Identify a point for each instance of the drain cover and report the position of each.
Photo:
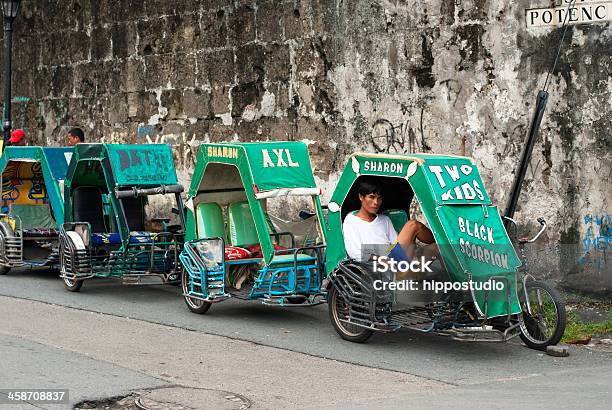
(187, 398)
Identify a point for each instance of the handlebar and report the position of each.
(542, 222)
(135, 192)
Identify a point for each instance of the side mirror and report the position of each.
(306, 213)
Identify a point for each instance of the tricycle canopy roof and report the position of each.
(124, 165)
(254, 171)
(468, 230)
(269, 166)
(449, 179)
(49, 163)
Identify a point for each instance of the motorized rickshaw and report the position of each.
(110, 228)
(241, 239)
(32, 205)
(473, 245)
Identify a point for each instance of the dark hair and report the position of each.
(77, 132)
(369, 185)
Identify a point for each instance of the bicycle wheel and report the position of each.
(339, 315)
(195, 305)
(544, 317)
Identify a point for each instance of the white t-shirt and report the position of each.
(358, 234)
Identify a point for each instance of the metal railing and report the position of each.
(11, 247)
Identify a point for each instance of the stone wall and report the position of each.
(442, 76)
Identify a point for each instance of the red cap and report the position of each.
(17, 136)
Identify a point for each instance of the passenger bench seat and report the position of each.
(241, 224)
(210, 224)
(398, 218)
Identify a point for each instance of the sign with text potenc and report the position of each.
(583, 12)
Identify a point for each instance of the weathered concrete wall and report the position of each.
(381, 75)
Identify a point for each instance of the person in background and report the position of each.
(17, 138)
(75, 136)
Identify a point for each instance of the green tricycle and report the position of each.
(242, 240)
(471, 292)
(32, 205)
(110, 228)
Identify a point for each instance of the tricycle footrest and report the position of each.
(481, 333)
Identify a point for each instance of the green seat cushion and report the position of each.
(209, 221)
(288, 259)
(242, 229)
(398, 218)
(34, 216)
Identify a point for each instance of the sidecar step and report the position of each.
(481, 334)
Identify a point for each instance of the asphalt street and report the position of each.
(439, 370)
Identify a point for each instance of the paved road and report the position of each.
(32, 365)
(474, 368)
(114, 355)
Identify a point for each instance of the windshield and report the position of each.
(294, 214)
(158, 211)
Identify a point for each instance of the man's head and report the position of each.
(370, 194)
(75, 136)
(17, 137)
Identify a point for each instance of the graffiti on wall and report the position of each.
(597, 242)
(398, 138)
(184, 149)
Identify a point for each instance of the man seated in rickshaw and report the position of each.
(368, 228)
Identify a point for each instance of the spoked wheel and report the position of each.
(72, 285)
(195, 305)
(68, 258)
(545, 325)
(339, 311)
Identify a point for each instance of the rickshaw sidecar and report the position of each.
(109, 230)
(475, 283)
(236, 246)
(32, 205)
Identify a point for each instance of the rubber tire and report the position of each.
(72, 285)
(201, 309)
(360, 337)
(561, 317)
(7, 231)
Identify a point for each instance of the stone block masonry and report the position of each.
(443, 76)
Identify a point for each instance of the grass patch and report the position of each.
(577, 329)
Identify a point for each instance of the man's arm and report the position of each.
(391, 234)
(352, 242)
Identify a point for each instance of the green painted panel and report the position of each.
(142, 164)
(455, 180)
(478, 240)
(280, 165)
